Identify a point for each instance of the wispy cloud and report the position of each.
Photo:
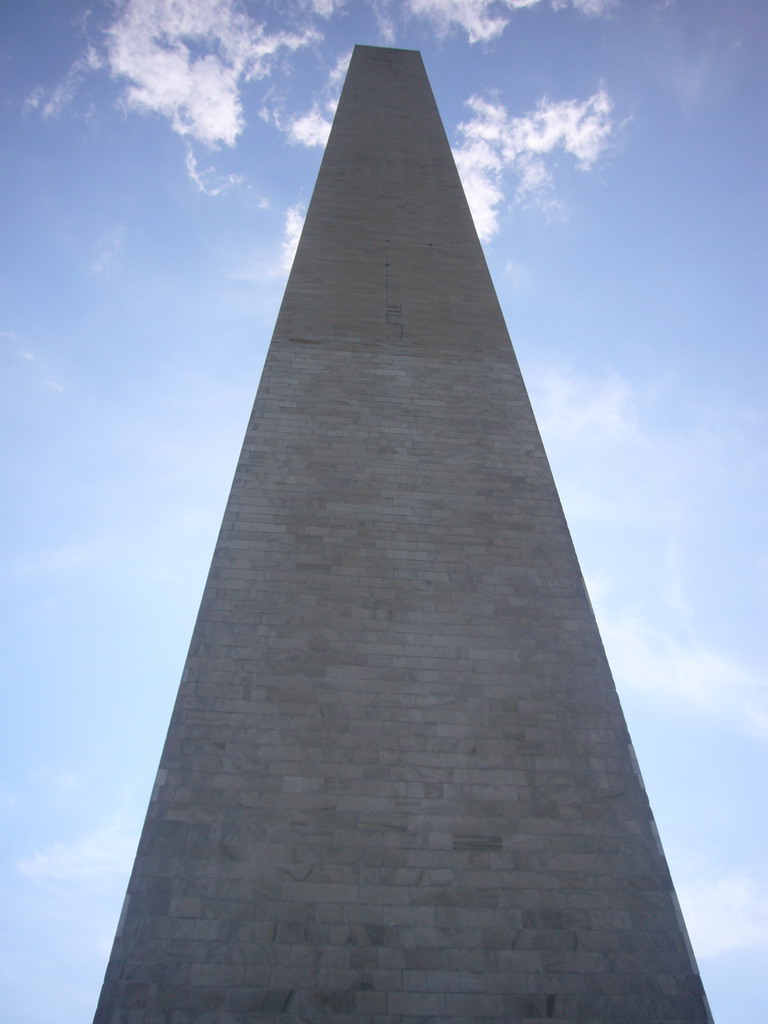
(9, 801)
(724, 915)
(494, 145)
(52, 103)
(36, 368)
(188, 60)
(108, 850)
(294, 222)
(518, 275)
(208, 180)
(592, 8)
(313, 127)
(324, 8)
(572, 406)
(69, 557)
(109, 251)
(484, 20)
(650, 483)
(697, 61)
(56, 784)
(687, 670)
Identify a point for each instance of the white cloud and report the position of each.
(35, 367)
(724, 915)
(494, 144)
(594, 8)
(581, 129)
(67, 558)
(209, 180)
(310, 129)
(385, 23)
(481, 168)
(294, 222)
(51, 104)
(324, 8)
(56, 783)
(484, 20)
(580, 409)
(188, 59)
(9, 801)
(313, 127)
(338, 73)
(617, 473)
(694, 70)
(518, 275)
(688, 671)
(109, 252)
(109, 850)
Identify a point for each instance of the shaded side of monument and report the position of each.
(397, 784)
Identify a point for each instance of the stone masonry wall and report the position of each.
(397, 785)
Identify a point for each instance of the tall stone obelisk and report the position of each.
(397, 785)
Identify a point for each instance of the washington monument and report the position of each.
(397, 786)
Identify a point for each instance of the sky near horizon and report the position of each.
(157, 160)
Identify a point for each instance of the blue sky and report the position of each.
(156, 162)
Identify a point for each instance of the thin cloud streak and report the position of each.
(208, 180)
(109, 253)
(60, 97)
